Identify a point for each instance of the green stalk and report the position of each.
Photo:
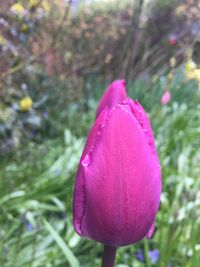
(146, 252)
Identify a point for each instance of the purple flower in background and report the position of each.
(24, 219)
(13, 32)
(46, 114)
(154, 255)
(29, 227)
(32, 134)
(140, 255)
(3, 22)
(23, 37)
(57, 172)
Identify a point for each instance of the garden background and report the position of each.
(56, 59)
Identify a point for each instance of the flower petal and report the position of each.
(144, 122)
(122, 183)
(113, 95)
(151, 231)
(79, 189)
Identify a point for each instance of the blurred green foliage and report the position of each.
(56, 61)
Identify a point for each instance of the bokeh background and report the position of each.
(56, 59)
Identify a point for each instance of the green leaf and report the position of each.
(62, 245)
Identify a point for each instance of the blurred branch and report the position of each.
(134, 38)
(17, 67)
(60, 26)
(136, 30)
(35, 6)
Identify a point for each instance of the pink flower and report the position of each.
(115, 93)
(118, 183)
(172, 39)
(166, 97)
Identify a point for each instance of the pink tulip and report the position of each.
(113, 95)
(118, 184)
(166, 97)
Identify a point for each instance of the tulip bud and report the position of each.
(113, 95)
(166, 97)
(118, 184)
(172, 40)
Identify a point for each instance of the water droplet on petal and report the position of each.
(102, 125)
(86, 161)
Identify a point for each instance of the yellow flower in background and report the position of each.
(181, 9)
(26, 103)
(108, 58)
(170, 76)
(24, 27)
(190, 75)
(172, 62)
(18, 9)
(191, 71)
(45, 6)
(6, 114)
(196, 75)
(33, 3)
(3, 41)
(190, 65)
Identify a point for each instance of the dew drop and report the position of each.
(86, 161)
(102, 125)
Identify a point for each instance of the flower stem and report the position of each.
(109, 256)
(146, 252)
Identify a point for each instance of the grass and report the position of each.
(36, 186)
